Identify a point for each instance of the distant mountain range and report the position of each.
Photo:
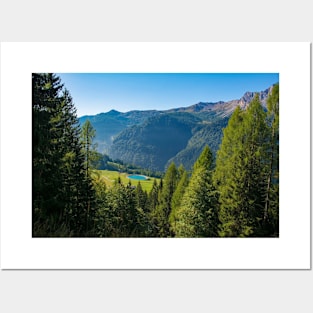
(152, 139)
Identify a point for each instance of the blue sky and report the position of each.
(95, 93)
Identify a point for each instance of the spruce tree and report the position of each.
(101, 206)
(88, 133)
(153, 203)
(141, 198)
(153, 197)
(197, 215)
(163, 210)
(124, 214)
(59, 184)
(45, 90)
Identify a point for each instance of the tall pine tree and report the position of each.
(197, 215)
(59, 183)
(164, 208)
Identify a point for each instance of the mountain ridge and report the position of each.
(242, 102)
(136, 137)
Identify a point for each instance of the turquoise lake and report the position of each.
(137, 177)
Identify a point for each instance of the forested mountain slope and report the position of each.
(108, 125)
(153, 143)
(208, 134)
(153, 139)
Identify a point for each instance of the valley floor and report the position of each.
(109, 177)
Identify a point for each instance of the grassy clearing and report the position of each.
(110, 176)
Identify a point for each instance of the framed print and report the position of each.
(93, 136)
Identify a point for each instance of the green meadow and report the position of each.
(108, 177)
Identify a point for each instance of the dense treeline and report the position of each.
(104, 162)
(235, 195)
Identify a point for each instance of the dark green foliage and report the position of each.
(62, 194)
(44, 89)
(122, 212)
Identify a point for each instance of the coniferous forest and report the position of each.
(233, 193)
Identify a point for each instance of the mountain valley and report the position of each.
(153, 139)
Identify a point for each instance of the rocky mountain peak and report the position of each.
(248, 96)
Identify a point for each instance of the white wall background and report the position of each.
(156, 291)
